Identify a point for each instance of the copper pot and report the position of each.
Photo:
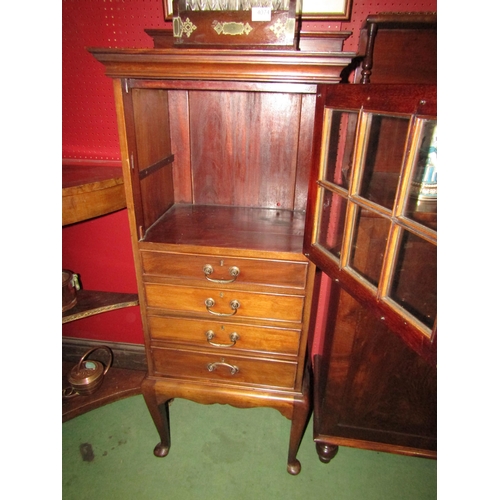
(70, 285)
(87, 376)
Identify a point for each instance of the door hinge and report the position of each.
(125, 82)
(132, 166)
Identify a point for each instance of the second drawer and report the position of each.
(225, 303)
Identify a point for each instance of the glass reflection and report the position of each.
(339, 153)
(384, 158)
(332, 221)
(369, 242)
(415, 278)
(422, 202)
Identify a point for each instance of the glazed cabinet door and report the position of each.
(372, 230)
(373, 203)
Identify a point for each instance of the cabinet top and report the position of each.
(224, 64)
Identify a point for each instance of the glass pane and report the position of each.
(422, 202)
(339, 152)
(332, 221)
(415, 284)
(369, 242)
(384, 159)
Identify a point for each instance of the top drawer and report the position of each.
(225, 270)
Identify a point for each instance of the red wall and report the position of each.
(99, 250)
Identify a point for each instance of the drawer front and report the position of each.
(225, 303)
(227, 270)
(226, 369)
(224, 335)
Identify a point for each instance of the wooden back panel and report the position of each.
(244, 148)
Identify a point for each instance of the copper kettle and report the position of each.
(87, 376)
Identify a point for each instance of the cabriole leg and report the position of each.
(160, 414)
(299, 422)
(300, 418)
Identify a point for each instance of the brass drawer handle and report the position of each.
(234, 304)
(208, 270)
(233, 338)
(233, 369)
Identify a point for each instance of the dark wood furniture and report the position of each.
(309, 41)
(375, 372)
(91, 302)
(398, 48)
(247, 171)
(219, 26)
(216, 148)
(91, 189)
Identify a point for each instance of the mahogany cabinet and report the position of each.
(216, 148)
(246, 172)
(374, 234)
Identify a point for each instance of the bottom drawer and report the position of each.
(227, 369)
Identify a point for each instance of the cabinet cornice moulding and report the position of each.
(226, 65)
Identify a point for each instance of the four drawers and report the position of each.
(205, 324)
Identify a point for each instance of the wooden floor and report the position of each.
(118, 383)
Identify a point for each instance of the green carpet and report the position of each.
(220, 452)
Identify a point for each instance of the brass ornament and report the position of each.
(231, 28)
(280, 28)
(181, 27)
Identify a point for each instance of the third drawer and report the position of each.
(217, 335)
